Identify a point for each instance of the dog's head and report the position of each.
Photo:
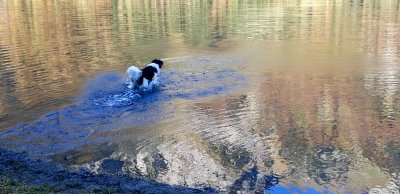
(158, 62)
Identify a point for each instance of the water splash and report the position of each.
(106, 104)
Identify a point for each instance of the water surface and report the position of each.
(299, 96)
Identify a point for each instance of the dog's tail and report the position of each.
(133, 75)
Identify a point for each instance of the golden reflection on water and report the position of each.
(322, 106)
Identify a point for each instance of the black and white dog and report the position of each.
(145, 78)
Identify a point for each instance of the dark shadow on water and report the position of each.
(39, 173)
(106, 104)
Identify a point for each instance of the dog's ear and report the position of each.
(159, 62)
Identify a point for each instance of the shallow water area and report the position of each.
(259, 96)
(106, 104)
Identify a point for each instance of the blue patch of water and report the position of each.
(106, 104)
(259, 182)
(291, 189)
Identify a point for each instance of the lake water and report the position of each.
(256, 96)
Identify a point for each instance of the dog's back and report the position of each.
(149, 73)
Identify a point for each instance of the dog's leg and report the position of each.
(129, 83)
(145, 84)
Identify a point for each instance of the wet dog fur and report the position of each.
(145, 78)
